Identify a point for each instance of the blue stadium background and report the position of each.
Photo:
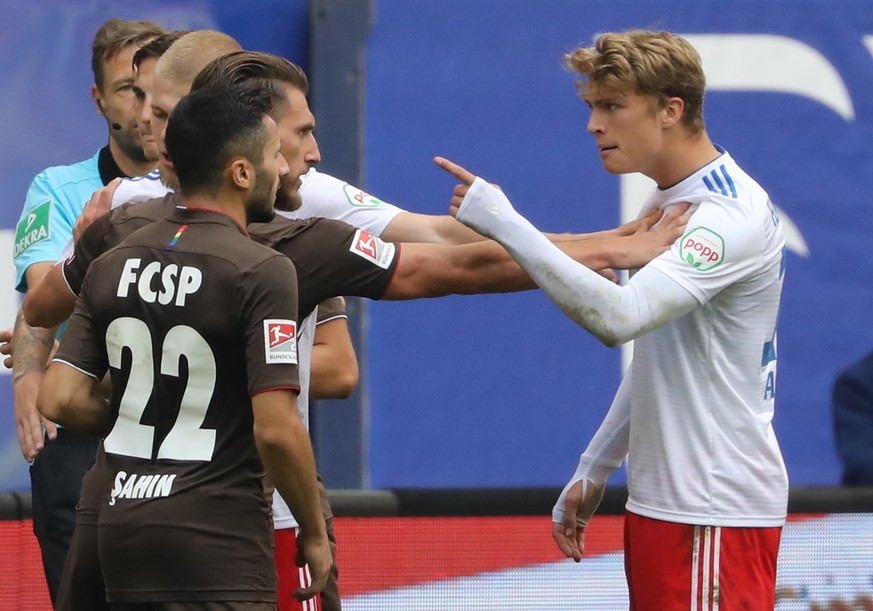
(502, 391)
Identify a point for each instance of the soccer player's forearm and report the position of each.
(31, 347)
(50, 302)
(290, 465)
(606, 450)
(614, 314)
(282, 442)
(69, 397)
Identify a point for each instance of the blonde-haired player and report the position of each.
(707, 484)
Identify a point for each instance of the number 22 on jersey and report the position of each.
(186, 440)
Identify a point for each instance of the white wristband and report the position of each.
(485, 209)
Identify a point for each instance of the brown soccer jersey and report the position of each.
(332, 308)
(332, 258)
(109, 230)
(187, 317)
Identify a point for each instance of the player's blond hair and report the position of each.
(660, 65)
(187, 56)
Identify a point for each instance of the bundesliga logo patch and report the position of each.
(280, 341)
(373, 249)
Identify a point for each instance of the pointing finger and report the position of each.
(455, 170)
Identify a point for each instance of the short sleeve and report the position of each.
(42, 231)
(269, 303)
(328, 197)
(82, 344)
(721, 245)
(333, 258)
(330, 309)
(89, 246)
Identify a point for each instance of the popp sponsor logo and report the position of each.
(702, 248)
(360, 199)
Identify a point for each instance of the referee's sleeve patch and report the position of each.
(33, 228)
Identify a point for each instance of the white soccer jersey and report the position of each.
(139, 189)
(133, 190)
(702, 446)
(322, 196)
(328, 197)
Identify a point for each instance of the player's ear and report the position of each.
(242, 172)
(98, 100)
(671, 113)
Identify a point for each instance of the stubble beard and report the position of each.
(130, 143)
(260, 205)
(287, 197)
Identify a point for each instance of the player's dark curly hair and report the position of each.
(212, 125)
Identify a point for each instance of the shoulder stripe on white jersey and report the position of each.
(153, 175)
(719, 186)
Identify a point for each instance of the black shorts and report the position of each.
(56, 478)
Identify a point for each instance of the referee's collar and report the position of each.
(107, 167)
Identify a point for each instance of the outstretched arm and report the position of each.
(445, 229)
(613, 314)
(634, 244)
(435, 270)
(431, 229)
